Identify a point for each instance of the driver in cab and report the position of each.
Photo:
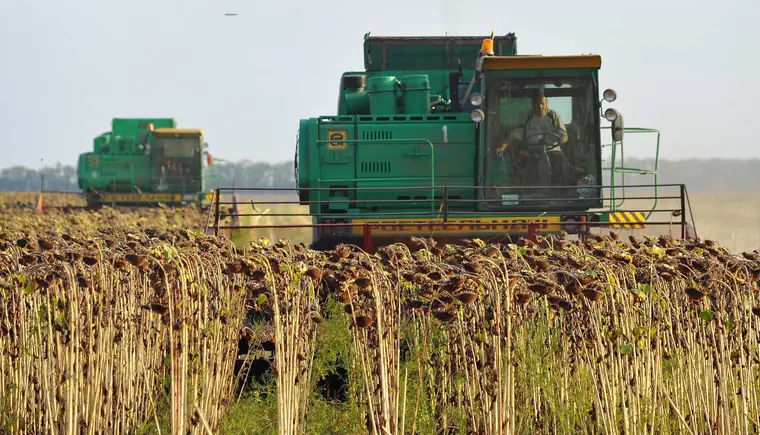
(540, 124)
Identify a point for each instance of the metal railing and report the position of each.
(188, 184)
(623, 169)
(527, 215)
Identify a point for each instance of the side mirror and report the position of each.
(618, 126)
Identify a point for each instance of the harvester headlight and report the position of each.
(609, 95)
(477, 115)
(476, 99)
(611, 114)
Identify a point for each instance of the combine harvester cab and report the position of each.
(451, 138)
(146, 162)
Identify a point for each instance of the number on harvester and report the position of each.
(445, 129)
(336, 138)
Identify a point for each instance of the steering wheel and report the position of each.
(543, 143)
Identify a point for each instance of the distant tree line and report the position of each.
(58, 177)
(222, 174)
(698, 175)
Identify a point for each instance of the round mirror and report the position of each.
(609, 95)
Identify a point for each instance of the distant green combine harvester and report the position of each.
(144, 162)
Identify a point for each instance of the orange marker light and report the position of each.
(487, 47)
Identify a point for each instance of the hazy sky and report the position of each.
(689, 68)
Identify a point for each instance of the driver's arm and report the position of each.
(514, 139)
(501, 148)
(561, 128)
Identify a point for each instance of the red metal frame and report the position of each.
(368, 246)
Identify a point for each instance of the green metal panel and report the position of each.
(304, 156)
(416, 93)
(383, 95)
(119, 173)
(101, 143)
(390, 154)
(313, 163)
(336, 157)
(83, 177)
(357, 102)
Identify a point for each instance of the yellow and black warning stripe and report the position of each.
(630, 220)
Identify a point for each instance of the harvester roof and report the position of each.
(541, 62)
(404, 53)
(179, 131)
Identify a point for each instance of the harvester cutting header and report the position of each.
(463, 137)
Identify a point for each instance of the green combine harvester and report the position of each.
(460, 137)
(145, 162)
